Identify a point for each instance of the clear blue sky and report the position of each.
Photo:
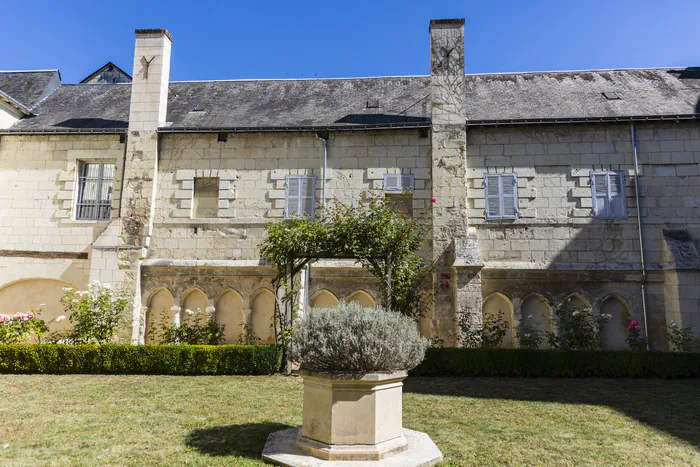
(292, 39)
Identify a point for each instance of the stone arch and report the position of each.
(536, 310)
(363, 298)
(498, 303)
(194, 299)
(229, 312)
(262, 304)
(324, 299)
(614, 333)
(159, 304)
(23, 294)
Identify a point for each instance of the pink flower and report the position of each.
(30, 315)
(633, 325)
(433, 200)
(637, 328)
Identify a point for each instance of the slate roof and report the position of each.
(579, 94)
(28, 87)
(249, 105)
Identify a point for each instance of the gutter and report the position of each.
(543, 121)
(641, 241)
(64, 131)
(287, 129)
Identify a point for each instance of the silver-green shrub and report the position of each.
(355, 339)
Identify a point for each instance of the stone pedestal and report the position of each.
(352, 416)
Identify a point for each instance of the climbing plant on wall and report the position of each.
(385, 241)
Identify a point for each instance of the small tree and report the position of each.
(97, 314)
(682, 338)
(383, 240)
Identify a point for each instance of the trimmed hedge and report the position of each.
(557, 363)
(141, 359)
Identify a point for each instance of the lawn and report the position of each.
(224, 420)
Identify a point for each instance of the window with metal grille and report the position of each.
(608, 190)
(501, 196)
(399, 182)
(95, 191)
(300, 196)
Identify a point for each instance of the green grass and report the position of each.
(224, 420)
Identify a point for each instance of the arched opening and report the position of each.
(324, 299)
(194, 300)
(363, 298)
(614, 333)
(229, 313)
(262, 313)
(536, 312)
(498, 307)
(46, 294)
(158, 312)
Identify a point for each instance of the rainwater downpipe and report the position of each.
(641, 241)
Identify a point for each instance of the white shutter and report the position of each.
(618, 200)
(492, 194)
(509, 196)
(308, 198)
(292, 196)
(407, 182)
(392, 182)
(599, 191)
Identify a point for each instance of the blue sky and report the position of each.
(293, 39)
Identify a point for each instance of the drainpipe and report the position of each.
(641, 241)
(325, 165)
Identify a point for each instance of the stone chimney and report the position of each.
(456, 251)
(148, 111)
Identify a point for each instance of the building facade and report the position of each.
(551, 186)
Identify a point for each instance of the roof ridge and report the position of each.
(576, 71)
(27, 71)
(296, 79)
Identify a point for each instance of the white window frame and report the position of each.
(501, 216)
(608, 214)
(406, 182)
(299, 195)
(82, 164)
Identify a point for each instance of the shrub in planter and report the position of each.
(354, 360)
(355, 339)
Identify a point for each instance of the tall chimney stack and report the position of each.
(148, 112)
(454, 246)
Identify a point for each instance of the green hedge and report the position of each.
(141, 359)
(557, 363)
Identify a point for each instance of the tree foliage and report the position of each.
(372, 231)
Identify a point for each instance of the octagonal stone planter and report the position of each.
(352, 416)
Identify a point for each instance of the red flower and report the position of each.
(433, 200)
(633, 325)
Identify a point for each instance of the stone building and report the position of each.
(579, 185)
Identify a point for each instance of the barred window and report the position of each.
(95, 190)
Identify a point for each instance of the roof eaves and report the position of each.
(547, 121)
(62, 131)
(16, 104)
(285, 129)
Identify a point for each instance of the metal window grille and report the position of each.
(95, 191)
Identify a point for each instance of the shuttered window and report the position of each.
(300, 196)
(501, 196)
(608, 191)
(95, 191)
(399, 182)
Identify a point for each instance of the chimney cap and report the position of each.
(155, 31)
(447, 22)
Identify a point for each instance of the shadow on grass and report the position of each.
(672, 406)
(245, 440)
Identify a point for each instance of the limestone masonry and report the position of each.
(164, 188)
